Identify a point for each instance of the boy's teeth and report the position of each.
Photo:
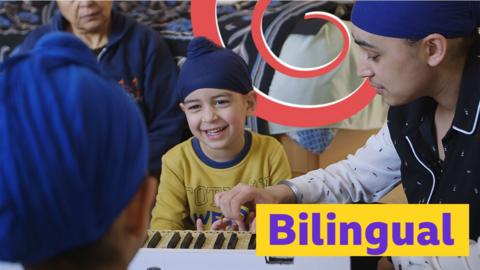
(213, 131)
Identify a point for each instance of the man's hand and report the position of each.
(224, 224)
(231, 201)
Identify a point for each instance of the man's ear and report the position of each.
(435, 48)
(137, 212)
(251, 100)
(182, 106)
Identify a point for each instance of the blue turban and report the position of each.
(73, 150)
(416, 19)
(209, 66)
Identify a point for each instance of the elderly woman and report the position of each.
(134, 56)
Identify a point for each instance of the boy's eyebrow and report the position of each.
(216, 96)
(222, 95)
(191, 101)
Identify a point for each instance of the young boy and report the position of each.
(217, 96)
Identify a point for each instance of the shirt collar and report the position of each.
(468, 106)
(227, 164)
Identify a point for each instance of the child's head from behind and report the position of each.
(216, 93)
(83, 156)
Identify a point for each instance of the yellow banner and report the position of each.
(362, 230)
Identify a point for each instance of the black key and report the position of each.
(200, 240)
(174, 240)
(154, 240)
(219, 241)
(252, 244)
(233, 241)
(187, 240)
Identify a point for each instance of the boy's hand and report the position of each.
(199, 224)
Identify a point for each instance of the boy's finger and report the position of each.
(199, 224)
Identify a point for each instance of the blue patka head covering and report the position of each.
(209, 66)
(416, 19)
(73, 150)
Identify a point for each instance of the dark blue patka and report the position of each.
(209, 66)
(73, 150)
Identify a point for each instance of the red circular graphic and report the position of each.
(284, 68)
(204, 22)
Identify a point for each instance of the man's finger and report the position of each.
(241, 225)
(253, 226)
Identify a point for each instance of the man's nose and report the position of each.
(86, 3)
(364, 69)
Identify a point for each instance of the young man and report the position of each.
(422, 57)
(217, 96)
(73, 162)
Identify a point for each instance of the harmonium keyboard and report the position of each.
(172, 250)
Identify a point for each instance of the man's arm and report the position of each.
(366, 176)
(243, 194)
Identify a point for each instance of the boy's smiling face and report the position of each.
(217, 118)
